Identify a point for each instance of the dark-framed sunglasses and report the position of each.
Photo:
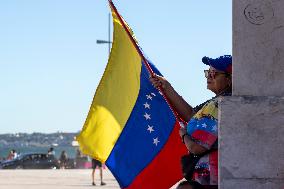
(213, 74)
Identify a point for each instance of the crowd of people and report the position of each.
(63, 162)
(63, 158)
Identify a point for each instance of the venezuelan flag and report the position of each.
(130, 126)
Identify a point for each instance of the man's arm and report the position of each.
(192, 146)
(184, 110)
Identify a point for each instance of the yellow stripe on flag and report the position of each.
(114, 99)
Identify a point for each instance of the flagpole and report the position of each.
(144, 59)
(131, 38)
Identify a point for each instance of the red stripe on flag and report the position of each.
(165, 169)
(204, 137)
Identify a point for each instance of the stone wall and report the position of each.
(251, 122)
(258, 47)
(251, 142)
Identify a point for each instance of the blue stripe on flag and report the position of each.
(144, 134)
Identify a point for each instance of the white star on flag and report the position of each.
(147, 116)
(204, 125)
(149, 97)
(214, 128)
(156, 141)
(153, 94)
(150, 128)
(146, 105)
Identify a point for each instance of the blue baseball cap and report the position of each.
(222, 63)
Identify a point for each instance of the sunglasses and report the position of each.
(213, 74)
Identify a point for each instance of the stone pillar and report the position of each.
(251, 122)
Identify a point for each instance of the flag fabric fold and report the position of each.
(130, 126)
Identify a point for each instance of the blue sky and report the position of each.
(50, 64)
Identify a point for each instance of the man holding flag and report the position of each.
(200, 136)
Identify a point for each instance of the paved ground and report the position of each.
(54, 179)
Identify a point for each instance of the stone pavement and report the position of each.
(55, 179)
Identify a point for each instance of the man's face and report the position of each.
(217, 80)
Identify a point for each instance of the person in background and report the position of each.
(78, 154)
(95, 164)
(63, 159)
(15, 154)
(51, 151)
(10, 155)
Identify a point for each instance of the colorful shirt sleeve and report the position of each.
(203, 126)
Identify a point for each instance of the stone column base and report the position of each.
(251, 142)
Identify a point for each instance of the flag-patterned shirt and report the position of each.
(203, 129)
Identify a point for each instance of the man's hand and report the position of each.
(159, 81)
